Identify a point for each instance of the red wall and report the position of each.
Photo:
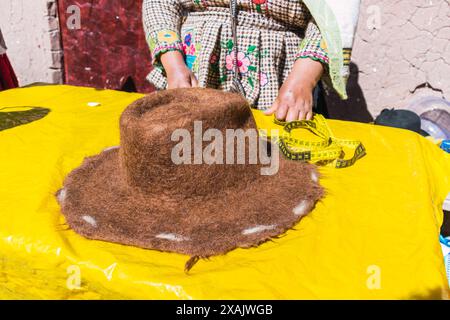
(109, 47)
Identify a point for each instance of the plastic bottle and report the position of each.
(445, 145)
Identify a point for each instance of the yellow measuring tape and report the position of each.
(328, 151)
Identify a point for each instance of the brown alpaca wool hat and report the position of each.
(137, 195)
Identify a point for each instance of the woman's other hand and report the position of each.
(295, 98)
(178, 73)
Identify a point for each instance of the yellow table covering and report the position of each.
(374, 236)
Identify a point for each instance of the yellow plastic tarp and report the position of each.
(374, 235)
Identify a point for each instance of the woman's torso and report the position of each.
(291, 13)
(269, 34)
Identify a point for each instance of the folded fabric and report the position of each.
(8, 79)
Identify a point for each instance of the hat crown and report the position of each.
(154, 130)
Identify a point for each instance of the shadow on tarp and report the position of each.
(11, 117)
(434, 294)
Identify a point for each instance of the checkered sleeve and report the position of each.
(162, 23)
(313, 45)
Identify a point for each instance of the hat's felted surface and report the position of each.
(136, 195)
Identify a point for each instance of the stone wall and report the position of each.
(31, 31)
(401, 51)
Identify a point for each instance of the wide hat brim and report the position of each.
(98, 204)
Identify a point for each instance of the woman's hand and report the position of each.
(178, 74)
(293, 103)
(295, 98)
